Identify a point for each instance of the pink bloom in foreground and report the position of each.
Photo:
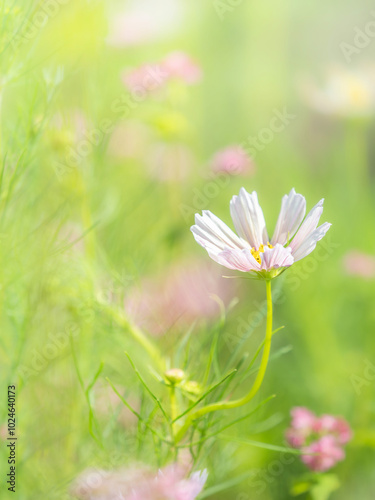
(184, 293)
(321, 439)
(139, 484)
(323, 454)
(232, 160)
(251, 250)
(359, 264)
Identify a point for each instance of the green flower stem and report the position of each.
(225, 405)
(137, 334)
(174, 407)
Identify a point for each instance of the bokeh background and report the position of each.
(104, 162)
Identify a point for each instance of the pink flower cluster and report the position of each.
(139, 484)
(321, 439)
(150, 77)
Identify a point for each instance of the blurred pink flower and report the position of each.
(338, 427)
(232, 160)
(321, 439)
(150, 77)
(302, 418)
(359, 264)
(302, 424)
(343, 431)
(145, 79)
(139, 484)
(181, 66)
(323, 454)
(181, 295)
(296, 437)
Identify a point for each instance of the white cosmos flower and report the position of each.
(250, 250)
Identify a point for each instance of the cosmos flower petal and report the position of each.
(212, 233)
(276, 257)
(248, 218)
(293, 209)
(309, 244)
(308, 226)
(234, 258)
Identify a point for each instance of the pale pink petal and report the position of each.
(211, 233)
(234, 258)
(276, 257)
(293, 209)
(309, 244)
(248, 218)
(308, 226)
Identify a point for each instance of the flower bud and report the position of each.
(174, 375)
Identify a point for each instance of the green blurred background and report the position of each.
(75, 233)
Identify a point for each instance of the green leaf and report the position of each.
(224, 486)
(155, 398)
(211, 356)
(212, 388)
(299, 488)
(136, 413)
(233, 422)
(259, 444)
(327, 484)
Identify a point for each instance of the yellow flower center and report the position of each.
(256, 253)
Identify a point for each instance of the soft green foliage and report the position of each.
(78, 237)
